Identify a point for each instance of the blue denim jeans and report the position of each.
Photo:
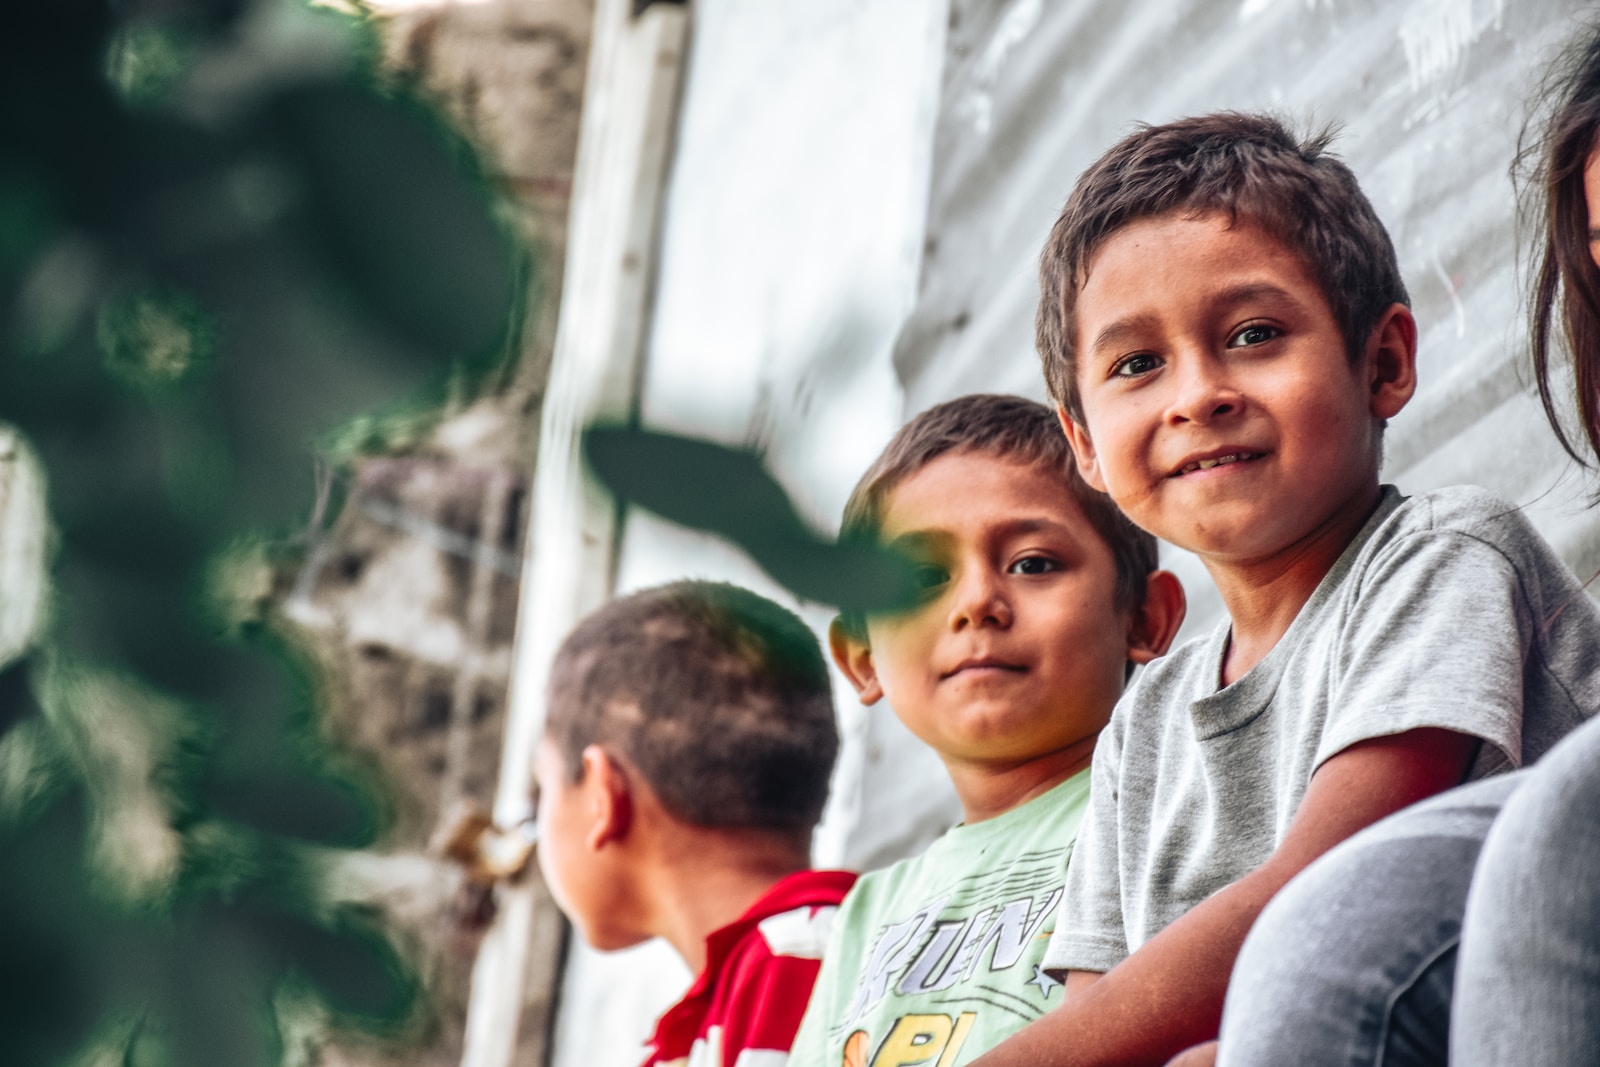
(1353, 962)
(1528, 987)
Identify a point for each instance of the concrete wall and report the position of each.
(409, 598)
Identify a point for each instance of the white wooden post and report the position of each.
(624, 145)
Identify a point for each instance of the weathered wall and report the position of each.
(409, 597)
(408, 601)
(510, 73)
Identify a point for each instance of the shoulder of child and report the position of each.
(1470, 513)
(1467, 509)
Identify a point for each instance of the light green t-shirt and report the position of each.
(937, 959)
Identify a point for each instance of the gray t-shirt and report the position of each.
(1447, 610)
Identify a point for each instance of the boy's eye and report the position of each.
(1034, 565)
(1253, 335)
(929, 576)
(1135, 365)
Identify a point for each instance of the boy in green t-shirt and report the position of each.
(1040, 596)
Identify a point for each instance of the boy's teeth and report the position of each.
(1207, 464)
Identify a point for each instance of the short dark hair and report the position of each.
(1012, 427)
(1236, 164)
(1559, 141)
(719, 698)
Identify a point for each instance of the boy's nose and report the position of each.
(980, 601)
(1203, 391)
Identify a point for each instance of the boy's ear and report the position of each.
(1391, 363)
(608, 795)
(1155, 623)
(854, 657)
(1082, 449)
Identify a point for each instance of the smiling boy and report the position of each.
(1224, 328)
(1038, 599)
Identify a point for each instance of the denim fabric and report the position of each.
(1352, 963)
(1528, 992)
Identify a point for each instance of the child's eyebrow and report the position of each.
(1023, 527)
(912, 540)
(1124, 330)
(1121, 331)
(1249, 291)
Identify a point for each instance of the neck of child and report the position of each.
(990, 788)
(1263, 596)
(707, 877)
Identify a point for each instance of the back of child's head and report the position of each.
(1249, 167)
(717, 697)
(1006, 427)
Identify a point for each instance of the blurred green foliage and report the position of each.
(221, 239)
(731, 493)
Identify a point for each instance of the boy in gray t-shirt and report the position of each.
(1225, 330)
(1447, 611)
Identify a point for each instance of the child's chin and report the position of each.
(612, 940)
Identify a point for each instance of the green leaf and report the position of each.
(729, 492)
(398, 215)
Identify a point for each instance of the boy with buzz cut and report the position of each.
(687, 748)
(1038, 599)
(1225, 331)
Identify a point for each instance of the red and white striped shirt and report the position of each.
(744, 1009)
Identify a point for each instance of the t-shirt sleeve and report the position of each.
(760, 1020)
(1438, 637)
(1090, 934)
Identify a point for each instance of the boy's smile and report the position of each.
(1019, 633)
(1222, 411)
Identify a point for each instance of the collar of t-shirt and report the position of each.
(680, 1025)
(1222, 709)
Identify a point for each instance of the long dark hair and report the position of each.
(1567, 278)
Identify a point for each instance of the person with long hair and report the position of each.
(1527, 985)
(1466, 929)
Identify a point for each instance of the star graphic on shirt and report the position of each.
(1043, 981)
